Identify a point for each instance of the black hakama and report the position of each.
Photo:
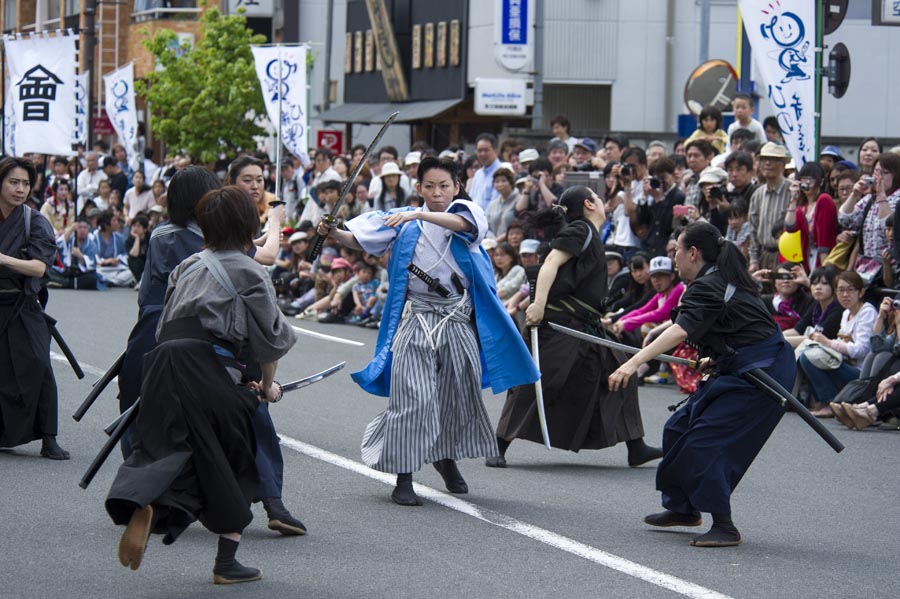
(194, 456)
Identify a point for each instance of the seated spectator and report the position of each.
(515, 234)
(136, 245)
(617, 276)
(77, 268)
(790, 299)
(391, 193)
(112, 256)
(329, 308)
(159, 192)
(852, 342)
(156, 215)
(104, 190)
(508, 273)
(501, 210)
(813, 213)
(529, 258)
(639, 288)
(633, 325)
(365, 293)
(138, 198)
(59, 208)
(824, 315)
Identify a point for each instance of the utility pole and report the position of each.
(90, 42)
(537, 110)
(704, 31)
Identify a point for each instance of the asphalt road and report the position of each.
(554, 524)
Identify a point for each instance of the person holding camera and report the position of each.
(813, 213)
(656, 215)
(873, 198)
(714, 204)
(630, 174)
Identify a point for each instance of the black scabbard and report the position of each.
(54, 332)
(123, 423)
(433, 284)
(761, 380)
(98, 388)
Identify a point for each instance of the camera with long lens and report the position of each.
(804, 187)
(655, 183)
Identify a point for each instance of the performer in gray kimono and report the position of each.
(433, 357)
(194, 454)
(28, 395)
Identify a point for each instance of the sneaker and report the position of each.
(660, 378)
(308, 313)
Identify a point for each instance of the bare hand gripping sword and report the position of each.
(331, 217)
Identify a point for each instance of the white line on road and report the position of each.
(542, 535)
(325, 337)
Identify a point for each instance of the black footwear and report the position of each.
(51, 450)
(453, 480)
(403, 493)
(227, 569)
(669, 518)
(720, 535)
(280, 519)
(640, 453)
(497, 461)
(134, 539)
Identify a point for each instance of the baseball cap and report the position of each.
(614, 255)
(339, 263)
(157, 209)
(489, 243)
(588, 144)
(298, 236)
(412, 158)
(658, 264)
(529, 246)
(847, 163)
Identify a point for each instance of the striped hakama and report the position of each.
(435, 410)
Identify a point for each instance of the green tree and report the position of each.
(205, 98)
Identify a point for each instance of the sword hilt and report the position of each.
(319, 241)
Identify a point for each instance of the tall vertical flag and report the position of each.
(9, 123)
(42, 93)
(287, 80)
(782, 35)
(79, 134)
(121, 109)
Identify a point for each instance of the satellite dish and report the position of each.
(835, 11)
(713, 83)
(839, 70)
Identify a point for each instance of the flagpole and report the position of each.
(278, 143)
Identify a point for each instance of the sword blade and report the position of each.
(315, 378)
(619, 346)
(325, 337)
(539, 389)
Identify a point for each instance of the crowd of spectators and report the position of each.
(833, 218)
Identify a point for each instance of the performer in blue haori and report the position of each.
(444, 334)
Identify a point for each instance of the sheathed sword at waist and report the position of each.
(619, 346)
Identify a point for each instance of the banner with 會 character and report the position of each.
(42, 92)
(281, 71)
(121, 109)
(782, 34)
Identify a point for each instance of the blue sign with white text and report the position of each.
(515, 21)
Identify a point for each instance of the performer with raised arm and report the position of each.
(194, 450)
(581, 412)
(710, 442)
(430, 349)
(28, 394)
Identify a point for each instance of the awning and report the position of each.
(378, 112)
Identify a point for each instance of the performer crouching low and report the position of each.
(194, 451)
(711, 441)
(430, 349)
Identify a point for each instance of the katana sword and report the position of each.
(538, 388)
(331, 218)
(116, 429)
(619, 346)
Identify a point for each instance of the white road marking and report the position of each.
(542, 535)
(325, 337)
(87, 368)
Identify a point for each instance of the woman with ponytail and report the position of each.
(571, 286)
(710, 442)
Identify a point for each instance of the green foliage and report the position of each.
(201, 99)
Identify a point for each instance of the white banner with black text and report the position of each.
(121, 109)
(281, 71)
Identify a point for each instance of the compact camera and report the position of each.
(655, 183)
(782, 276)
(804, 187)
(868, 180)
(627, 170)
(895, 304)
(717, 192)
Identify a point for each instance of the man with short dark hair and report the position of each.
(662, 192)
(118, 180)
(699, 153)
(613, 146)
(739, 166)
(482, 188)
(558, 152)
(561, 127)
